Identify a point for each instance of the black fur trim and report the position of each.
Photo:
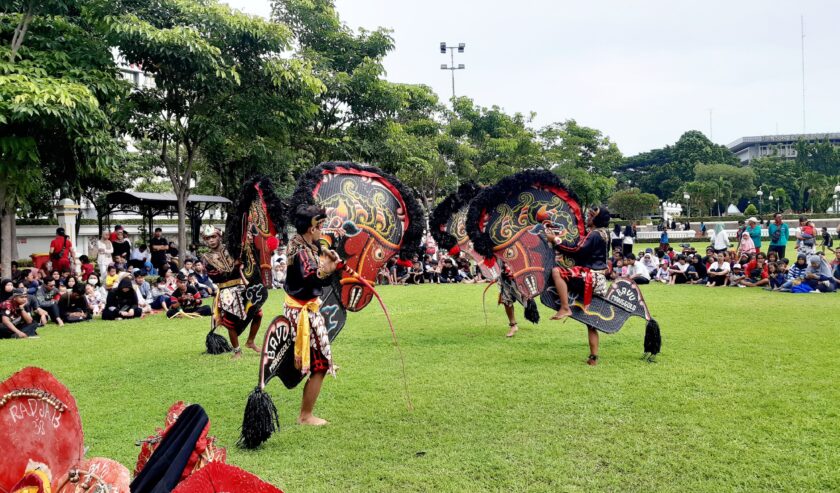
(260, 420)
(414, 233)
(653, 338)
(532, 313)
(444, 211)
(217, 344)
(275, 206)
(490, 197)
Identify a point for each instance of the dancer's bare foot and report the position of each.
(561, 314)
(236, 355)
(312, 421)
(512, 331)
(251, 345)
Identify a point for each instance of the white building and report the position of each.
(749, 148)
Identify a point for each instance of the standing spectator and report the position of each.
(615, 238)
(721, 239)
(627, 241)
(47, 296)
(122, 245)
(779, 233)
(755, 232)
(158, 246)
(806, 237)
(278, 275)
(104, 254)
(114, 235)
(827, 241)
(664, 242)
(15, 321)
(61, 251)
(702, 228)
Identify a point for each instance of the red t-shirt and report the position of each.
(752, 264)
(11, 309)
(58, 243)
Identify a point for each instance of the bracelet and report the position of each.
(237, 350)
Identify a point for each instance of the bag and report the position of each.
(776, 236)
(58, 255)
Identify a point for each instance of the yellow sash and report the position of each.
(303, 329)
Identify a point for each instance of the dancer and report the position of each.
(185, 301)
(229, 305)
(591, 261)
(308, 272)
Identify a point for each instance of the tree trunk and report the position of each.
(182, 192)
(5, 237)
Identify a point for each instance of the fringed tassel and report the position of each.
(217, 344)
(532, 313)
(260, 420)
(653, 340)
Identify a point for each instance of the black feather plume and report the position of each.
(444, 211)
(260, 420)
(653, 338)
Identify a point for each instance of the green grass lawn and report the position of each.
(744, 396)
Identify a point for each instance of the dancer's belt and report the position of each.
(230, 284)
(303, 328)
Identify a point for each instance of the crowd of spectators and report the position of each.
(33, 298)
(745, 261)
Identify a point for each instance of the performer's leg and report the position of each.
(593, 345)
(511, 314)
(234, 341)
(563, 293)
(252, 335)
(310, 396)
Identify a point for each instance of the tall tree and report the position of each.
(201, 55)
(58, 84)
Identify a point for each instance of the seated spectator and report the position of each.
(186, 299)
(776, 276)
(718, 272)
(204, 291)
(736, 276)
(662, 274)
(278, 276)
(15, 270)
(120, 263)
(431, 270)
(15, 321)
(70, 282)
(818, 275)
(160, 295)
(111, 277)
(636, 271)
(30, 282)
(94, 299)
(47, 297)
(6, 288)
(203, 277)
(144, 291)
(73, 305)
(650, 262)
(449, 273)
(122, 302)
(188, 267)
(141, 258)
(697, 271)
(87, 267)
(679, 271)
(796, 273)
(757, 272)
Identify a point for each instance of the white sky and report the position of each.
(642, 72)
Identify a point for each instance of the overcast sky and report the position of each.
(642, 72)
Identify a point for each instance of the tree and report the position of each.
(632, 204)
(202, 55)
(750, 210)
(58, 82)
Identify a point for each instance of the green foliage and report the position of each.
(664, 171)
(751, 210)
(568, 144)
(633, 204)
(482, 421)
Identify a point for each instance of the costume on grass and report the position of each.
(240, 266)
(370, 217)
(507, 222)
(42, 448)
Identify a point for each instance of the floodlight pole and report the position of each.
(452, 67)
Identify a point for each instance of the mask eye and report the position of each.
(510, 253)
(378, 254)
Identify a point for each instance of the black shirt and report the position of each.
(302, 282)
(592, 253)
(158, 256)
(122, 248)
(189, 299)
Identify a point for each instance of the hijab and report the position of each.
(628, 230)
(617, 230)
(3, 294)
(823, 269)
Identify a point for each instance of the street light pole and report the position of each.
(760, 193)
(452, 67)
(687, 198)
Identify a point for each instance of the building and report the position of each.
(749, 148)
(132, 72)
